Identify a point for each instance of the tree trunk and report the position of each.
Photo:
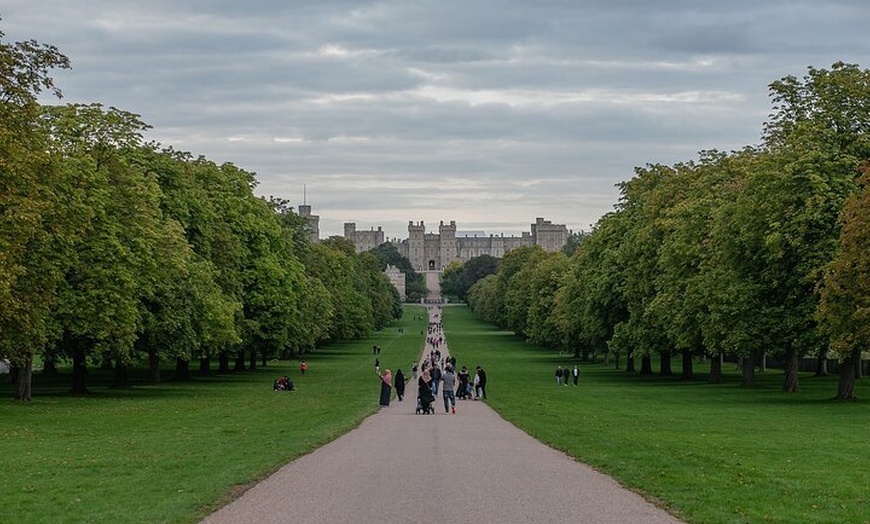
(629, 363)
(748, 369)
(665, 364)
(263, 362)
(646, 366)
(688, 372)
(153, 366)
(223, 363)
(763, 362)
(846, 384)
(80, 370)
(253, 365)
(791, 366)
(240, 361)
(122, 376)
(49, 367)
(182, 369)
(716, 369)
(204, 366)
(25, 380)
(616, 360)
(822, 363)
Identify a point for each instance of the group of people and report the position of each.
(433, 375)
(283, 384)
(564, 375)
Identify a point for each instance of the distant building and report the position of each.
(433, 251)
(397, 278)
(312, 222)
(363, 240)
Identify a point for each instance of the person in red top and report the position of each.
(303, 367)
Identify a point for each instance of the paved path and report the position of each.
(471, 467)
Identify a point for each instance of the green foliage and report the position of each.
(458, 278)
(42, 209)
(112, 249)
(544, 283)
(844, 308)
(721, 255)
(575, 240)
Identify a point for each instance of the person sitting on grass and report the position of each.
(284, 384)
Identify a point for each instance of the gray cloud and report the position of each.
(488, 112)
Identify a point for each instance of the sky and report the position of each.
(487, 112)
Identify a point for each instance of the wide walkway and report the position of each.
(471, 467)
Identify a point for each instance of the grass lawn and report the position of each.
(174, 452)
(708, 453)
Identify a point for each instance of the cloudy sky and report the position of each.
(487, 112)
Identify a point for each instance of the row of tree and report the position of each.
(762, 251)
(116, 250)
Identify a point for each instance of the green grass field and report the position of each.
(708, 453)
(174, 452)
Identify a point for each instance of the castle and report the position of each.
(433, 251)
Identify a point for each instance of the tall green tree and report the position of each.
(41, 210)
(542, 326)
(458, 277)
(844, 309)
(114, 263)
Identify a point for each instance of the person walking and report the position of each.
(424, 391)
(399, 384)
(303, 367)
(448, 383)
(386, 388)
(463, 383)
(436, 379)
(576, 373)
(558, 375)
(482, 382)
(378, 365)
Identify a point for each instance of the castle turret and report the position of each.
(449, 248)
(312, 222)
(416, 245)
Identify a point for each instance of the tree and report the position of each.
(333, 262)
(40, 207)
(819, 137)
(542, 326)
(575, 240)
(844, 308)
(458, 277)
(114, 262)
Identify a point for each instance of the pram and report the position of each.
(424, 404)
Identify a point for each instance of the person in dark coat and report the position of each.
(482, 385)
(399, 384)
(424, 390)
(386, 388)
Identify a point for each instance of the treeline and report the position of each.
(115, 251)
(762, 251)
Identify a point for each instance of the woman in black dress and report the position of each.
(400, 384)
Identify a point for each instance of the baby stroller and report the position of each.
(424, 403)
